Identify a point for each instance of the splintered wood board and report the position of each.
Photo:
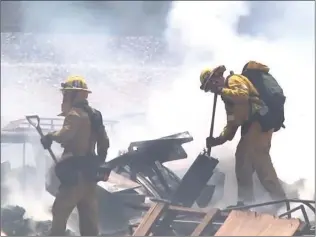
(247, 223)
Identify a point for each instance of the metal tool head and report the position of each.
(195, 180)
(34, 120)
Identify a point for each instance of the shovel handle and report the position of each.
(35, 120)
(36, 125)
(52, 155)
(213, 121)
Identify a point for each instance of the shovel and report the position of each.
(34, 120)
(197, 176)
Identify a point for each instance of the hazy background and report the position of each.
(144, 58)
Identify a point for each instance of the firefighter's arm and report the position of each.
(228, 132)
(237, 90)
(69, 129)
(103, 143)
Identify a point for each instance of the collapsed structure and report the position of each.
(143, 197)
(165, 219)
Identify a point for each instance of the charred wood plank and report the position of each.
(247, 223)
(150, 219)
(188, 210)
(205, 222)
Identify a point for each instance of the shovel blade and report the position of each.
(34, 120)
(195, 180)
(206, 196)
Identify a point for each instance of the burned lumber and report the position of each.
(247, 223)
(208, 218)
(162, 217)
(158, 219)
(150, 219)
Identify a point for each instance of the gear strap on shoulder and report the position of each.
(96, 121)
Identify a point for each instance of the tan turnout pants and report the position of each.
(252, 154)
(84, 197)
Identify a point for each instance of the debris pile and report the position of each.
(13, 223)
(144, 197)
(163, 218)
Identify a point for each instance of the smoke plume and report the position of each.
(153, 69)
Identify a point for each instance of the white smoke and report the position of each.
(205, 33)
(202, 34)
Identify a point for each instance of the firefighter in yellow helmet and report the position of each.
(79, 136)
(242, 102)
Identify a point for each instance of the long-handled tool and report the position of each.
(209, 149)
(197, 176)
(34, 120)
(194, 181)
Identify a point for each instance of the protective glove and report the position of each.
(103, 154)
(103, 173)
(47, 141)
(211, 141)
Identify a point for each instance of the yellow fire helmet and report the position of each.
(75, 83)
(205, 74)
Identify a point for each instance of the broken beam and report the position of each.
(150, 219)
(208, 218)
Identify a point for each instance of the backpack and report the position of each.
(97, 126)
(271, 93)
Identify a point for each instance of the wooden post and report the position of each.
(205, 222)
(150, 219)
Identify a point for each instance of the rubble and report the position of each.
(13, 223)
(144, 197)
(163, 219)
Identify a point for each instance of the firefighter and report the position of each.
(242, 102)
(78, 140)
